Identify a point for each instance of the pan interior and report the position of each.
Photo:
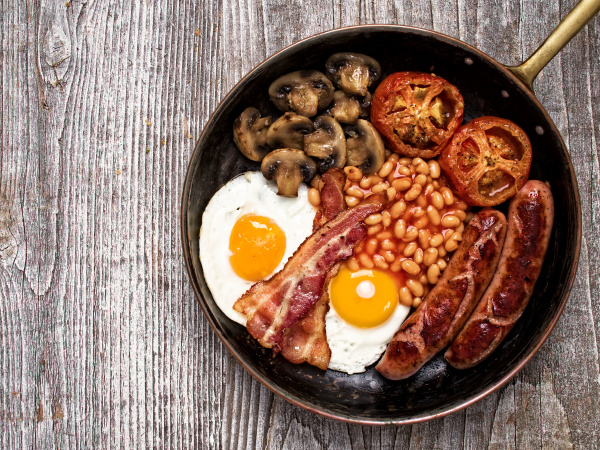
(488, 89)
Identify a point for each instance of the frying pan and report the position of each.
(488, 88)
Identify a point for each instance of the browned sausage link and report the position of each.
(448, 305)
(530, 217)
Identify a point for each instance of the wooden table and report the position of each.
(102, 342)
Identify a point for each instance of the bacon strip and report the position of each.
(306, 340)
(274, 305)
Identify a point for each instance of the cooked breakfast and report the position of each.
(363, 233)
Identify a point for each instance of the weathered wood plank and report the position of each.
(102, 343)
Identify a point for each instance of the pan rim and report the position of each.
(292, 398)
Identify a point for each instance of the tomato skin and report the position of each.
(487, 161)
(416, 113)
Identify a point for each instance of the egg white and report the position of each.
(353, 349)
(249, 193)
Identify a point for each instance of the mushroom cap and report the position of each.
(288, 167)
(327, 143)
(288, 131)
(303, 91)
(365, 146)
(347, 108)
(352, 72)
(250, 134)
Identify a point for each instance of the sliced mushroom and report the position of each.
(288, 131)
(346, 108)
(365, 146)
(289, 167)
(352, 72)
(327, 143)
(303, 91)
(250, 134)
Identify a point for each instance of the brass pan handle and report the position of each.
(562, 34)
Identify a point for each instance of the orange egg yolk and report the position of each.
(365, 299)
(257, 245)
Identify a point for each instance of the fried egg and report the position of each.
(363, 317)
(248, 232)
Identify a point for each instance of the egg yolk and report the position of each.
(257, 245)
(365, 299)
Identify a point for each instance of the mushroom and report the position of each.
(365, 147)
(303, 91)
(352, 72)
(346, 108)
(289, 167)
(327, 143)
(289, 130)
(250, 134)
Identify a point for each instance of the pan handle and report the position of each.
(562, 34)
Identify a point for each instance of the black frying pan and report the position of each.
(488, 88)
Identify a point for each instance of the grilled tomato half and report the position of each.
(487, 161)
(416, 113)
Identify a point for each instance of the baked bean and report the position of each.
(434, 215)
(447, 195)
(452, 243)
(416, 161)
(315, 182)
(365, 183)
(355, 191)
(423, 281)
(422, 222)
(353, 173)
(413, 192)
(415, 287)
(405, 296)
(428, 189)
(374, 229)
(380, 262)
(411, 267)
(437, 200)
(388, 244)
(450, 221)
(394, 157)
(423, 168)
(398, 209)
(371, 246)
(386, 219)
(380, 187)
(390, 193)
(430, 256)
(314, 196)
(410, 249)
(433, 274)
(387, 234)
(421, 201)
(386, 169)
(461, 205)
(365, 261)
(402, 184)
(404, 170)
(373, 219)
(434, 168)
(460, 214)
(351, 201)
(416, 302)
(388, 256)
(405, 161)
(411, 234)
(441, 263)
(400, 229)
(418, 212)
(424, 237)
(353, 264)
(396, 266)
(442, 251)
(418, 256)
(347, 184)
(421, 179)
(436, 240)
(374, 179)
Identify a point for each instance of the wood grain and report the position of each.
(102, 343)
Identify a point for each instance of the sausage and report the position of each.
(441, 315)
(530, 218)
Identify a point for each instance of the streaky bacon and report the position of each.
(274, 305)
(332, 197)
(306, 340)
